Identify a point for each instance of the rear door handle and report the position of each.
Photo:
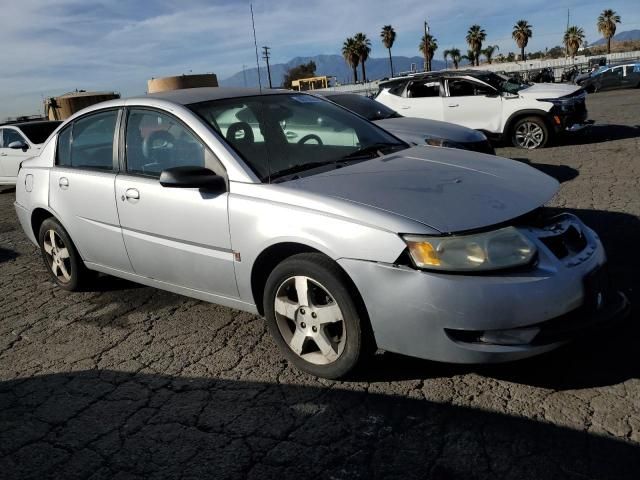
(454, 105)
(63, 183)
(405, 108)
(131, 194)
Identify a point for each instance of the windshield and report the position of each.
(277, 135)
(503, 83)
(369, 109)
(37, 133)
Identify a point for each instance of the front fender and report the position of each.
(256, 225)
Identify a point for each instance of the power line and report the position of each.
(255, 43)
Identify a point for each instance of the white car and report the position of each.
(526, 114)
(19, 141)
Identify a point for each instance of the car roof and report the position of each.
(35, 123)
(188, 96)
(438, 74)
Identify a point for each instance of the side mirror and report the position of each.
(19, 145)
(193, 177)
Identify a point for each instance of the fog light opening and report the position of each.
(515, 336)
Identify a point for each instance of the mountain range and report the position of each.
(329, 65)
(620, 37)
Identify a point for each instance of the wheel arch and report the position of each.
(529, 112)
(274, 254)
(38, 216)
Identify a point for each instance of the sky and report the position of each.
(50, 47)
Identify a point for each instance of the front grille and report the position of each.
(568, 242)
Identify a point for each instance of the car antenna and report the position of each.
(255, 43)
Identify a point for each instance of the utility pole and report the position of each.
(427, 62)
(566, 47)
(265, 55)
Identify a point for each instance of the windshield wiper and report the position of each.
(297, 168)
(376, 148)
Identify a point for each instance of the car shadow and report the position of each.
(108, 283)
(6, 255)
(562, 173)
(111, 424)
(604, 358)
(600, 133)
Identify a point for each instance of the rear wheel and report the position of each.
(313, 316)
(530, 133)
(61, 257)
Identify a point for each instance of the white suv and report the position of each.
(527, 114)
(19, 141)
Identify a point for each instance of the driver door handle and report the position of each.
(453, 105)
(131, 194)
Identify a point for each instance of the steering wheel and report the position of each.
(158, 140)
(311, 136)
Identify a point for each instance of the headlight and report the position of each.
(495, 250)
(441, 142)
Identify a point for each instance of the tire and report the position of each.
(69, 273)
(303, 330)
(530, 133)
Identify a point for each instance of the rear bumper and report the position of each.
(24, 217)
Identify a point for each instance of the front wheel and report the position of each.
(61, 257)
(530, 133)
(313, 317)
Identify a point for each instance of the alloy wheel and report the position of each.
(529, 135)
(57, 255)
(310, 320)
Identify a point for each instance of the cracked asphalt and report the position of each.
(128, 382)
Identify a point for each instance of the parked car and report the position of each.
(437, 253)
(610, 77)
(544, 75)
(527, 115)
(19, 141)
(415, 131)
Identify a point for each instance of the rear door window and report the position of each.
(422, 89)
(91, 142)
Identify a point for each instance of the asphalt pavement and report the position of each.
(128, 382)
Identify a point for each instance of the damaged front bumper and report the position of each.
(496, 317)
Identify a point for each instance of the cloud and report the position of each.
(59, 45)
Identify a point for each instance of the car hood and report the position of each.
(548, 90)
(449, 190)
(417, 129)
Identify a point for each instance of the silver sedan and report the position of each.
(344, 237)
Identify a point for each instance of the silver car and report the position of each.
(415, 131)
(345, 238)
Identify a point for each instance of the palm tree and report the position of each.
(388, 35)
(351, 55)
(489, 51)
(607, 25)
(454, 53)
(521, 34)
(470, 56)
(428, 46)
(363, 49)
(475, 36)
(573, 38)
